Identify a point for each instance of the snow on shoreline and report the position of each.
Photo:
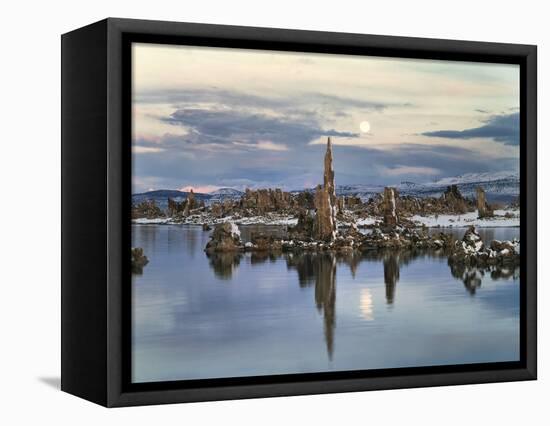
(155, 221)
(441, 221)
(199, 220)
(467, 219)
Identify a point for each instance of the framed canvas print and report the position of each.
(253, 212)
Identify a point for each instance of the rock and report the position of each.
(454, 200)
(483, 208)
(266, 200)
(138, 260)
(226, 237)
(472, 251)
(341, 204)
(498, 246)
(302, 201)
(190, 203)
(352, 202)
(472, 241)
(227, 206)
(324, 228)
(304, 228)
(261, 241)
(328, 175)
(325, 202)
(469, 249)
(353, 232)
(217, 210)
(175, 208)
(206, 227)
(389, 204)
(147, 209)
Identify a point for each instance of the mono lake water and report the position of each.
(196, 316)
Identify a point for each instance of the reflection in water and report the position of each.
(391, 261)
(318, 269)
(472, 276)
(391, 275)
(262, 256)
(250, 314)
(223, 264)
(366, 304)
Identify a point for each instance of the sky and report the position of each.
(207, 118)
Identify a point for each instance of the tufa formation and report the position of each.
(325, 202)
(483, 208)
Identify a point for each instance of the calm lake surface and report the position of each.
(196, 316)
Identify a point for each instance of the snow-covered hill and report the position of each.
(499, 187)
(161, 196)
(223, 194)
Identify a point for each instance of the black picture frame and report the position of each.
(96, 190)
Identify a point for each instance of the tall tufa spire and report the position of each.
(325, 201)
(328, 181)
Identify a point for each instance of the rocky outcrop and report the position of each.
(454, 200)
(175, 208)
(304, 229)
(138, 260)
(352, 202)
(483, 208)
(303, 200)
(226, 237)
(190, 203)
(266, 200)
(450, 202)
(404, 238)
(147, 209)
(389, 206)
(217, 210)
(341, 201)
(472, 251)
(261, 242)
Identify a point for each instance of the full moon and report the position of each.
(364, 126)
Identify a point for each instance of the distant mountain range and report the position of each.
(161, 196)
(499, 187)
(225, 193)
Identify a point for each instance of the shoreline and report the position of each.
(444, 221)
(167, 223)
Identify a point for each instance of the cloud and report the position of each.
(223, 97)
(324, 99)
(137, 149)
(214, 96)
(216, 128)
(411, 170)
(500, 128)
(201, 189)
(264, 145)
(242, 167)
